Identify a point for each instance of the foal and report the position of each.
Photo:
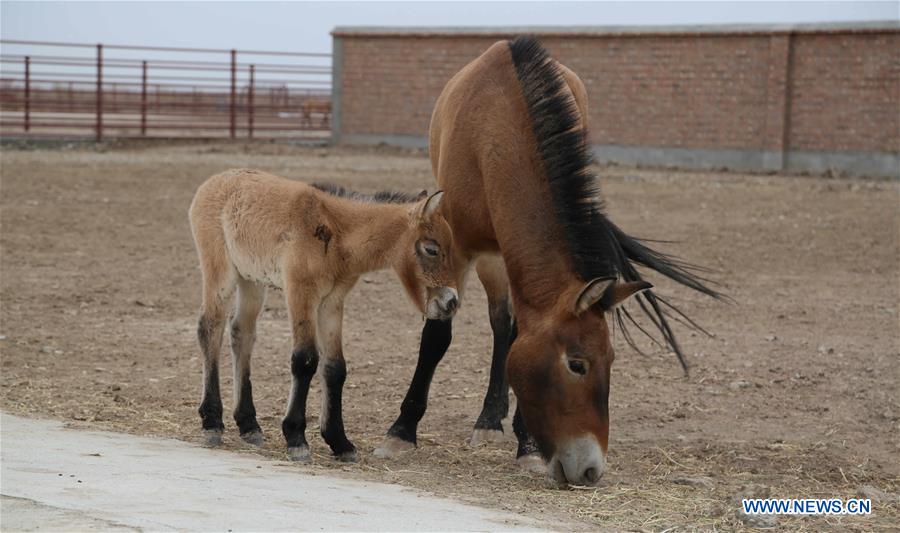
(254, 230)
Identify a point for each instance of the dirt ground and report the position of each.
(795, 395)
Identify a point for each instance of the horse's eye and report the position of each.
(577, 366)
(429, 249)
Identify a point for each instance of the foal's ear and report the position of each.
(592, 293)
(432, 205)
(422, 195)
(621, 292)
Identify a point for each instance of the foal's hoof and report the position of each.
(212, 437)
(350, 456)
(392, 446)
(480, 436)
(299, 453)
(532, 462)
(254, 437)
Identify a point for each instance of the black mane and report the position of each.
(380, 197)
(598, 248)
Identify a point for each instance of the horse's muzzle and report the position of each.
(580, 461)
(442, 304)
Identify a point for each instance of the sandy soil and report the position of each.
(796, 395)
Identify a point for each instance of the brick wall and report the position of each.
(845, 93)
(805, 98)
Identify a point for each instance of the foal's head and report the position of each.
(425, 262)
(559, 369)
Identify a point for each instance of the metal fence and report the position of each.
(85, 90)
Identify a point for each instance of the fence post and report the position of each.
(233, 103)
(27, 93)
(143, 98)
(250, 103)
(99, 124)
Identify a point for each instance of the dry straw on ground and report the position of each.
(795, 396)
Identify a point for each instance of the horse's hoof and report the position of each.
(480, 436)
(299, 453)
(254, 437)
(532, 462)
(349, 456)
(392, 446)
(212, 437)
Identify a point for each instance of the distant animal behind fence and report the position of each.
(320, 108)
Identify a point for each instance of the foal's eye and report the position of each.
(577, 366)
(429, 248)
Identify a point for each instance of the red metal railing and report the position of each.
(151, 91)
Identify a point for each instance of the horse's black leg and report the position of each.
(528, 454)
(304, 361)
(527, 444)
(334, 373)
(302, 301)
(209, 335)
(436, 336)
(332, 422)
(496, 401)
(244, 410)
(250, 300)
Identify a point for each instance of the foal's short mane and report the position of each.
(380, 197)
(597, 247)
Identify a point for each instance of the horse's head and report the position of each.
(426, 258)
(559, 367)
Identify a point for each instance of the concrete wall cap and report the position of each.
(876, 26)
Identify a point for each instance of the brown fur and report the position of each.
(497, 199)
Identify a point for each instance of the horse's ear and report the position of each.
(592, 292)
(621, 292)
(422, 195)
(432, 204)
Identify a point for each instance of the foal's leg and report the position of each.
(250, 299)
(488, 427)
(218, 284)
(436, 336)
(303, 301)
(334, 372)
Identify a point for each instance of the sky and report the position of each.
(305, 26)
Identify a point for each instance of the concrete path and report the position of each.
(52, 478)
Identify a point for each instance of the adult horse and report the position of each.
(508, 145)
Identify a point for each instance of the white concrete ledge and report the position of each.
(93, 480)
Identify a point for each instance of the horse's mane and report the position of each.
(380, 197)
(598, 248)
